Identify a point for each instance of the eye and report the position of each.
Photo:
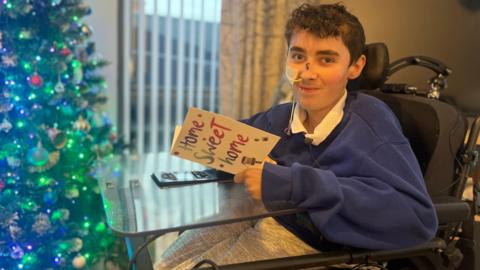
(297, 57)
(328, 60)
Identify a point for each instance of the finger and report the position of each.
(252, 183)
(269, 160)
(239, 177)
(254, 192)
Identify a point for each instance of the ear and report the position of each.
(356, 68)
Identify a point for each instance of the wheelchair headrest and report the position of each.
(375, 72)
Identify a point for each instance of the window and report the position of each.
(169, 63)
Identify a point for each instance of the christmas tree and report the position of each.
(53, 137)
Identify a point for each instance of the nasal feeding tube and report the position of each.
(293, 75)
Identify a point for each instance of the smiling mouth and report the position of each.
(307, 89)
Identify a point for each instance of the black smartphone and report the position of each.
(172, 179)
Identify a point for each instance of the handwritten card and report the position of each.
(221, 142)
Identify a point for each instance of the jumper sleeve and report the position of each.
(382, 205)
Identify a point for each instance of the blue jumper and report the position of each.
(362, 186)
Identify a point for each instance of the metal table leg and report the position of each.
(143, 260)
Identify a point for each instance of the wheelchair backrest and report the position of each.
(436, 130)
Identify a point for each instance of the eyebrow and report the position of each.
(321, 52)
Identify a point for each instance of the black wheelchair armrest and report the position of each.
(450, 209)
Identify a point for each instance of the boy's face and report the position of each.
(322, 69)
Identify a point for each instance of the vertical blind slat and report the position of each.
(213, 61)
(201, 62)
(141, 78)
(126, 102)
(154, 80)
(167, 103)
(191, 59)
(180, 87)
(180, 67)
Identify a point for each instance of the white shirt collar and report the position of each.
(322, 130)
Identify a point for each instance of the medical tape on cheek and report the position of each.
(292, 74)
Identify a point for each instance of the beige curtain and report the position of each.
(252, 53)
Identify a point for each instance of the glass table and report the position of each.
(138, 210)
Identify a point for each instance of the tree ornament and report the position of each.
(5, 103)
(16, 252)
(79, 262)
(9, 61)
(64, 27)
(14, 230)
(13, 219)
(13, 162)
(86, 30)
(36, 81)
(112, 138)
(82, 124)
(61, 214)
(53, 159)
(42, 224)
(59, 87)
(76, 244)
(25, 34)
(65, 52)
(5, 126)
(38, 156)
(29, 206)
(57, 137)
(27, 9)
(65, 214)
(72, 192)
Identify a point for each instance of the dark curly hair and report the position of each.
(328, 21)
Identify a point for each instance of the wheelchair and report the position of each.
(445, 146)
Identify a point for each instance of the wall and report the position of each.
(446, 30)
(104, 22)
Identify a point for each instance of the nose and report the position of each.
(307, 72)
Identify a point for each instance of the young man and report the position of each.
(342, 156)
